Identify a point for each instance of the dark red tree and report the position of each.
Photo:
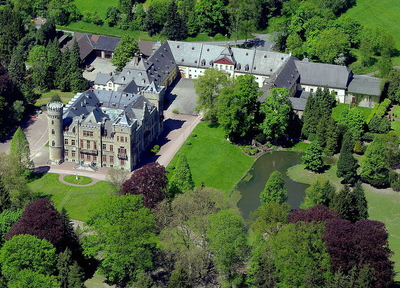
(150, 181)
(359, 244)
(316, 213)
(42, 220)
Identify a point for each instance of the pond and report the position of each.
(259, 174)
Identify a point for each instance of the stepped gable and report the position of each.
(319, 74)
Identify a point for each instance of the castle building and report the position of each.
(101, 128)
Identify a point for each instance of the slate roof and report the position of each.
(298, 103)
(102, 78)
(319, 74)
(146, 47)
(116, 107)
(367, 85)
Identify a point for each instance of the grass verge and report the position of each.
(212, 159)
(383, 205)
(77, 200)
(46, 96)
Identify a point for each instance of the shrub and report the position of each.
(261, 138)
(188, 143)
(359, 148)
(249, 150)
(368, 136)
(193, 135)
(393, 177)
(312, 137)
(175, 111)
(170, 167)
(155, 150)
(395, 186)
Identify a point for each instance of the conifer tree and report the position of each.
(320, 192)
(53, 61)
(347, 164)
(63, 72)
(375, 165)
(312, 159)
(361, 201)
(17, 68)
(275, 189)
(150, 24)
(174, 28)
(19, 148)
(182, 178)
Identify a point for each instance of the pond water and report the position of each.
(262, 168)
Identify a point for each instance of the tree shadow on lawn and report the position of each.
(38, 173)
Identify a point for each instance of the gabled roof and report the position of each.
(224, 61)
(102, 78)
(366, 85)
(319, 74)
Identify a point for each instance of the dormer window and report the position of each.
(246, 68)
(192, 48)
(177, 46)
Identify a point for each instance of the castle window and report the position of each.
(111, 159)
(104, 158)
(52, 122)
(111, 148)
(122, 162)
(66, 141)
(94, 158)
(88, 144)
(53, 143)
(66, 153)
(73, 142)
(95, 145)
(104, 147)
(53, 132)
(73, 130)
(81, 144)
(82, 156)
(73, 153)
(118, 138)
(88, 157)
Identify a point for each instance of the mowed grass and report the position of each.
(383, 205)
(382, 13)
(46, 96)
(80, 180)
(77, 200)
(338, 111)
(212, 159)
(100, 7)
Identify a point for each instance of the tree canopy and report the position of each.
(126, 49)
(274, 190)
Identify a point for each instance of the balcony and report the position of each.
(123, 156)
(89, 151)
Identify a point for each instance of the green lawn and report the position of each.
(45, 96)
(382, 13)
(213, 160)
(337, 111)
(101, 6)
(396, 127)
(396, 111)
(383, 205)
(76, 200)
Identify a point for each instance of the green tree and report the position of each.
(277, 109)
(207, 87)
(212, 16)
(27, 252)
(184, 223)
(330, 43)
(269, 218)
(227, 242)
(116, 177)
(351, 204)
(347, 165)
(7, 219)
(312, 159)
(36, 59)
(182, 178)
(63, 73)
(17, 68)
(174, 28)
(311, 256)
(374, 165)
(354, 120)
(11, 31)
(330, 137)
(69, 273)
(150, 23)
(126, 49)
(124, 230)
(236, 106)
(275, 189)
(19, 148)
(320, 192)
(33, 279)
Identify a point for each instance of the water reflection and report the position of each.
(265, 165)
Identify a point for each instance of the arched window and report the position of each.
(53, 132)
(52, 122)
(53, 143)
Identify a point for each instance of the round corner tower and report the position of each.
(56, 136)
